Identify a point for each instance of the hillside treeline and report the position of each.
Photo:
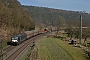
(49, 15)
(13, 19)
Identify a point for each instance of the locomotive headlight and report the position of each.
(14, 41)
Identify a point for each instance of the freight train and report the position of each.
(17, 39)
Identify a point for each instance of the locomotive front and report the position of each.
(14, 40)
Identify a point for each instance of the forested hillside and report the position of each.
(13, 19)
(50, 16)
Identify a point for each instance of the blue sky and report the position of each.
(74, 5)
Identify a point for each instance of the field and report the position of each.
(56, 49)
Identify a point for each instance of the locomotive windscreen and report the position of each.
(14, 38)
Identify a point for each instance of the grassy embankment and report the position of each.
(56, 49)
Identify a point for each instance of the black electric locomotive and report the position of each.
(16, 39)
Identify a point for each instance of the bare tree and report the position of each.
(60, 24)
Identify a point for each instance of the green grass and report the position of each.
(49, 50)
(56, 49)
(64, 35)
(75, 52)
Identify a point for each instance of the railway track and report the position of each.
(16, 50)
(7, 49)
